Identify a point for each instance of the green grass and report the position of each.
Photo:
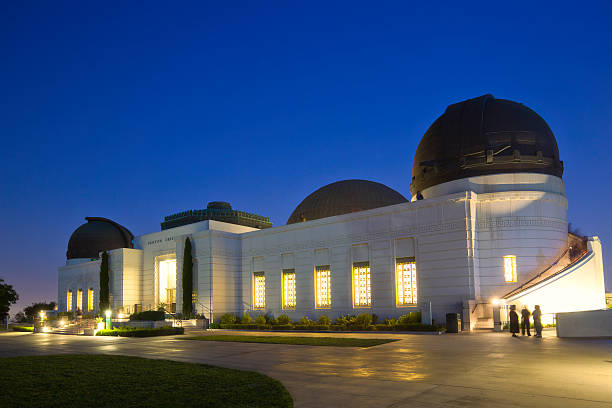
(118, 381)
(306, 341)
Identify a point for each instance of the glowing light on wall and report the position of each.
(406, 281)
(510, 268)
(69, 301)
(362, 293)
(90, 299)
(259, 290)
(167, 281)
(288, 289)
(322, 287)
(80, 300)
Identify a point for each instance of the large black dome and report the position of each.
(97, 235)
(484, 136)
(343, 197)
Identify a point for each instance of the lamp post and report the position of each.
(108, 319)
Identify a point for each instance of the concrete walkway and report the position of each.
(466, 370)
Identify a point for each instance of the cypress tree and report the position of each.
(104, 278)
(187, 280)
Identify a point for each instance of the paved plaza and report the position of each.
(466, 370)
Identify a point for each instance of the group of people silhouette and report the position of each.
(525, 321)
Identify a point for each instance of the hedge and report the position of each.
(248, 326)
(23, 329)
(140, 332)
(333, 327)
(149, 315)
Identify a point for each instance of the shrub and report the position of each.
(324, 320)
(228, 318)
(149, 315)
(248, 326)
(246, 319)
(283, 319)
(374, 318)
(412, 317)
(23, 329)
(127, 331)
(345, 320)
(305, 321)
(260, 320)
(362, 322)
(214, 326)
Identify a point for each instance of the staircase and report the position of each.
(74, 328)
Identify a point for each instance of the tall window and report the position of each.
(90, 299)
(259, 290)
(405, 281)
(288, 288)
(322, 287)
(80, 300)
(167, 282)
(69, 301)
(362, 293)
(510, 268)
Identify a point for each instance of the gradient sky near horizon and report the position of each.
(136, 110)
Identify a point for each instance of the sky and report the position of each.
(136, 110)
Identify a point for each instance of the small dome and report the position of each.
(483, 136)
(97, 235)
(343, 197)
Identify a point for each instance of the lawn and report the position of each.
(118, 381)
(306, 341)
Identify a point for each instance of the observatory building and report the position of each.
(486, 225)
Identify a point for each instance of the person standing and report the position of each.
(514, 322)
(525, 323)
(537, 321)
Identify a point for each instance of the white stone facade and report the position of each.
(458, 235)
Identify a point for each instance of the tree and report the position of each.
(8, 297)
(187, 279)
(104, 282)
(20, 317)
(32, 311)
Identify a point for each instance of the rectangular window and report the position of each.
(362, 293)
(90, 299)
(259, 290)
(322, 287)
(405, 281)
(69, 301)
(80, 300)
(510, 268)
(288, 288)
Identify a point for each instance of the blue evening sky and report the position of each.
(135, 110)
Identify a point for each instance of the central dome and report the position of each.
(343, 197)
(483, 136)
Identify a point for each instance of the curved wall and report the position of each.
(498, 183)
